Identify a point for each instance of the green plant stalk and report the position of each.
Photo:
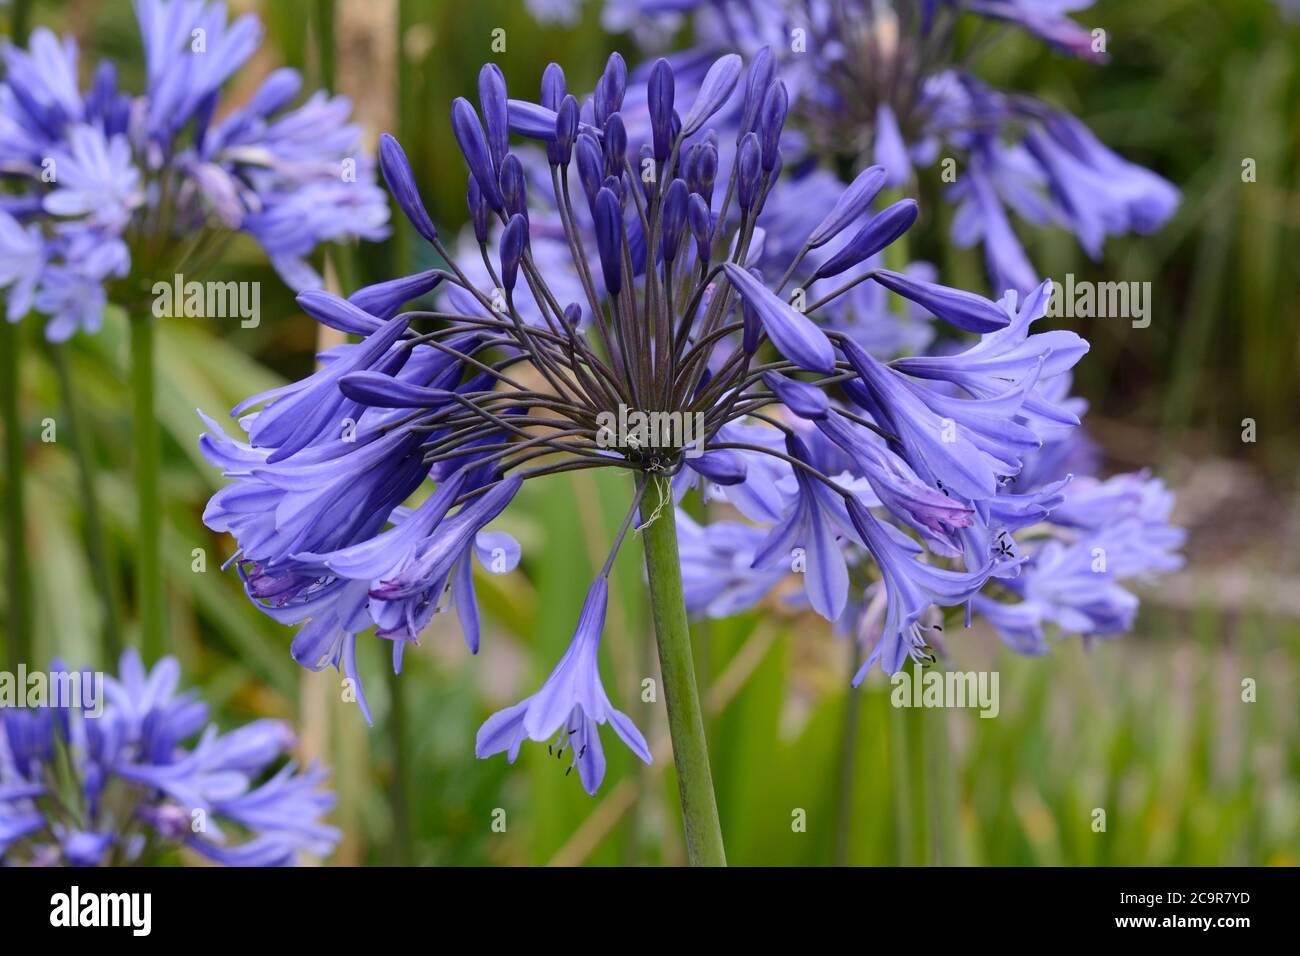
(848, 758)
(325, 45)
(148, 563)
(18, 24)
(101, 567)
(915, 756)
(904, 816)
(685, 716)
(943, 788)
(17, 574)
(399, 801)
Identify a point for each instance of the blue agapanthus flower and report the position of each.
(622, 314)
(112, 185)
(105, 777)
(889, 84)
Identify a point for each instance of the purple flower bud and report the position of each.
(383, 391)
(344, 315)
(806, 401)
(615, 185)
(722, 466)
(496, 116)
(880, 230)
(401, 183)
(553, 86)
(770, 123)
(383, 299)
(513, 240)
(852, 203)
(590, 166)
(479, 212)
(660, 92)
(701, 223)
(531, 119)
(615, 145)
(674, 217)
(615, 77)
(749, 174)
(609, 239)
(514, 190)
(758, 80)
(715, 90)
(469, 134)
(704, 171)
(793, 333)
(687, 165)
(573, 315)
(968, 311)
(560, 149)
(600, 107)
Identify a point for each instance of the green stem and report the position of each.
(399, 802)
(101, 567)
(916, 758)
(325, 42)
(848, 758)
(18, 577)
(943, 786)
(685, 716)
(148, 566)
(904, 809)
(21, 12)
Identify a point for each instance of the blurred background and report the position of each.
(1151, 726)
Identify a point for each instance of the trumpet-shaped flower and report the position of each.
(570, 706)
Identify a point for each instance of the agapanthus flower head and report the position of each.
(92, 778)
(890, 85)
(612, 311)
(680, 362)
(110, 183)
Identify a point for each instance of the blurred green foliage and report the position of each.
(1151, 728)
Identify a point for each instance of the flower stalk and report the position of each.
(685, 716)
(148, 564)
(17, 575)
(101, 567)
